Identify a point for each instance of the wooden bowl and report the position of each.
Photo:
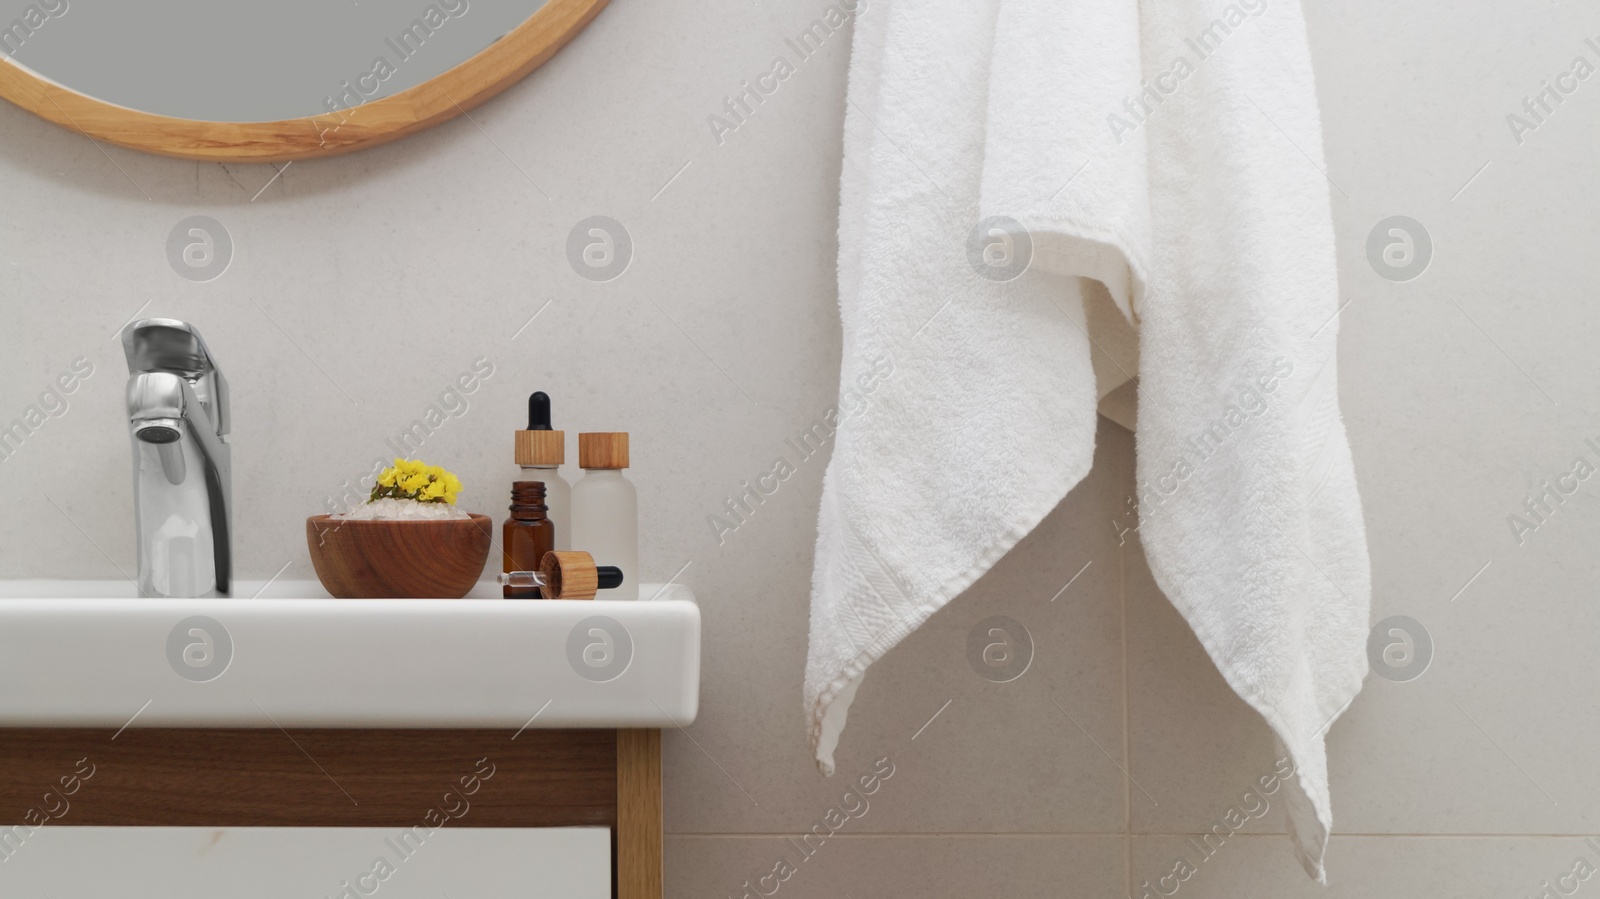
(400, 559)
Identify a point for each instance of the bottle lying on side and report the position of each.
(562, 575)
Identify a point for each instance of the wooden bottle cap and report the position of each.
(569, 575)
(603, 449)
(541, 447)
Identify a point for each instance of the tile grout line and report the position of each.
(897, 835)
(1127, 740)
(1104, 835)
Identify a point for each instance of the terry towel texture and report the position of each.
(1163, 159)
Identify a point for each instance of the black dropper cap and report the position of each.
(609, 576)
(539, 411)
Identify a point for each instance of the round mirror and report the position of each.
(258, 81)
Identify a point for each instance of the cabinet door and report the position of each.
(306, 862)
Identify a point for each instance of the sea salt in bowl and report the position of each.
(421, 551)
(388, 509)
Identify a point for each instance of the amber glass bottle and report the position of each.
(527, 535)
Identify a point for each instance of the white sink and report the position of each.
(90, 654)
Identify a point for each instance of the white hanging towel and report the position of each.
(1164, 159)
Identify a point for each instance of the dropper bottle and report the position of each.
(605, 507)
(562, 575)
(526, 536)
(540, 452)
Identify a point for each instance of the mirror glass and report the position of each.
(249, 60)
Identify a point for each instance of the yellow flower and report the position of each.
(416, 480)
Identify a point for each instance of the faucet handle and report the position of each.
(176, 347)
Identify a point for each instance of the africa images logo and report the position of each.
(200, 649)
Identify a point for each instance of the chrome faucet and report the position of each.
(182, 467)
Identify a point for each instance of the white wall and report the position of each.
(362, 285)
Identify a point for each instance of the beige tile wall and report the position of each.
(362, 285)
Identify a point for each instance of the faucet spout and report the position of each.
(182, 464)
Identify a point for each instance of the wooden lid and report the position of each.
(603, 449)
(541, 447)
(569, 575)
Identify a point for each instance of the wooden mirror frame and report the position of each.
(491, 71)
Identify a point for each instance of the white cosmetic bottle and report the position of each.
(540, 452)
(605, 508)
